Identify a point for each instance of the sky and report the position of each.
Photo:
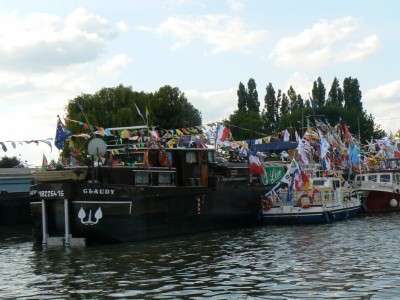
(53, 51)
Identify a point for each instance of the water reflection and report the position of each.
(353, 259)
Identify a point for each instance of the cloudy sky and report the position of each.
(52, 51)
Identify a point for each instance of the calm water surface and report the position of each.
(353, 259)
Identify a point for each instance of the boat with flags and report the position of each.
(322, 198)
(314, 192)
(143, 186)
(376, 176)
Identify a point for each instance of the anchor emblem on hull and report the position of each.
(97, 216)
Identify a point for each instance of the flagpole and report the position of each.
(86, 119)
(140, 114)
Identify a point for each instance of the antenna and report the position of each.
(97, 146)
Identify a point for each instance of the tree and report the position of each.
(318, 92)
(352, 94)
(269, 115)
(9, 162)
(299, 102)
(252, 96)
(335, 95)
(292, 98)
(245, 125)
(171, 109)
(120, 106)
(285, 110)
(242, 97)
(109, 107)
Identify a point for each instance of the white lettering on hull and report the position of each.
(98, 191)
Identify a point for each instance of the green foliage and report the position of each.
(352, 94)
(109, 107)
(9, 162)
(335, 95)
(291, 111)
(318, 92)
(248, 99)
(116, 107)
(242, 97)
(121, 106)
(270, 112)
(171, 109)
(252, 98)
(245, 125)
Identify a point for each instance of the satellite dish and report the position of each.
(97, 146)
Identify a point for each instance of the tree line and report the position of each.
(168, 107)
(290, 111)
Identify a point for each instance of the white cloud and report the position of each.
(222, 32)
(111, 66)
(322, 44)
(358, 51)
(43, 42)
(384, 104)
(214, 105)
(301, 83)
(122, 26)
(235, 5)
(45, 61)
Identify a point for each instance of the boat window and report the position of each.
(373, 178)
(398, 178)
(166, 178)
(336, 184)
(143, 178)
(137, 157)
(191, 157)
(318, 183)
(385, 178)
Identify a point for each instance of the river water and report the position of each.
(353, 259)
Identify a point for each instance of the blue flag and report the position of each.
(61, 136)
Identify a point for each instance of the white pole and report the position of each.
(66, 221)
(44, 223)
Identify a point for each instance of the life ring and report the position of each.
(308, 204)
(266, 202)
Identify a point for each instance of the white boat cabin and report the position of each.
(385, 177)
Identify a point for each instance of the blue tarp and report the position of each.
(274, 146)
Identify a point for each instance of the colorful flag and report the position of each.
(286, 136)
(275, 193)
(61, 136)
(255, 165)
(44, 163)
(222, 134)
(287, 178)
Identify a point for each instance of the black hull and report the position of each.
(14, 209)
(142, 213)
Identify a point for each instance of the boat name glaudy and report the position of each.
(98, 191)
